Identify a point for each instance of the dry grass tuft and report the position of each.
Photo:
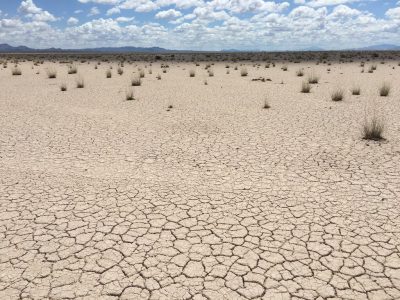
(305, 87)
(108, 73)
(63, 87)
(120, 71)
(313, 79)
(192, 73)
(266, 104)
(51, 73)
(356, 90)
(300, 73)
(80, 83)
(243, 72)
(72, 69)
(373, 128)
(16, 71)
(337, 95)
(136, 81)
(129, 95)
(384, 90)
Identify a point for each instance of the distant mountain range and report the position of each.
(6, 48)
(24, 49)
(382, 47)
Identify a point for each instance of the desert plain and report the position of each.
(203, 187)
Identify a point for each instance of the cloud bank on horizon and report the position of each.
(200, 24)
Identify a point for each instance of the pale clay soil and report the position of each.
(218, 198)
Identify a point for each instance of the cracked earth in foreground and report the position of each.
(217, 198)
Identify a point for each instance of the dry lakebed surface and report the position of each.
(215, 180)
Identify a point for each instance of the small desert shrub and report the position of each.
(205, 82)
(150, 71)
(129, 95)
(373, 128)
(266, 104)
(72, 69)
(337, 95)
(158, 77)
(235, 68)
(192, 73)
(384, 90)
(210, 73)
(51, 73)
(300, 73)
(313, 79)
(373, 67)
(356, 90)
(80, 83)
(243, 72)
(63, 87)
(164, 70)
(141, 74)
(108, 73)
(284, 68)
(120, 71)
(136, 81)
(305, 87)
(16, 71)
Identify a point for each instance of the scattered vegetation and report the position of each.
(51, 73)
(158, 77)
(243, 72)
(129, 94)
(72, 69)
(266, 104)
(356, 90)
(337, 95)
(120, 71)
(192, 73)
(80, 83)
(16, 71)
(141, 73)
(63, 87)
(136, 81)
(300, 73)
(313, 79)
(373, 128)
(384, 90)
(108, 73)
(305, 87)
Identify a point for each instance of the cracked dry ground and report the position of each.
(217, 198)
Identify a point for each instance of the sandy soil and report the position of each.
(216, 198)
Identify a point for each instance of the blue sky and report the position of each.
(200, 24)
